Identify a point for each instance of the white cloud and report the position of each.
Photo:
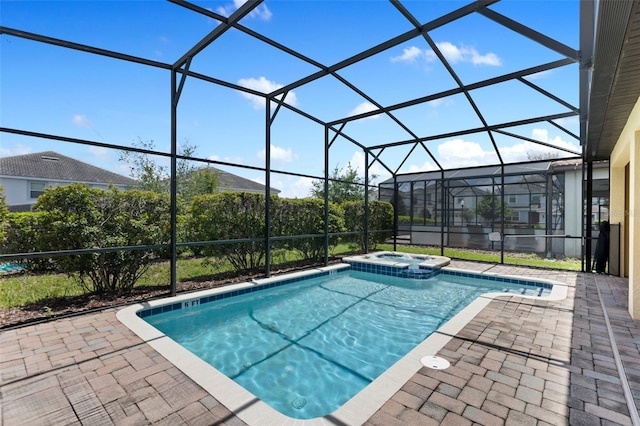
(377, 173)
(232, 159)
(540, 75)
(458, 153)
(362, 108)
(452, 53)
(99, 152)
(279, 154)
(294, 187)
(81, 120)
(261, 12)
(427, 166)
(462, 53)
(17, 149)
(300, 188)
(290, 186)
(488, 59)
(409, 54)
(568, 121)
(261, 84)
(536, 150)
(441, 102)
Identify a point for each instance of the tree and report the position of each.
(199, 182)
(151, 176)
(344, 185)
(490, 208)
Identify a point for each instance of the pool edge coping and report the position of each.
(434, 262)
(356, 410)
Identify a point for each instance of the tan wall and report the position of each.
(625, 205)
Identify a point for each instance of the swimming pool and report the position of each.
(286, 351)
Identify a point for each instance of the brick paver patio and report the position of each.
(518, 362)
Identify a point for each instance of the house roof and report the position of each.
(51, 165)
(615, 86)
(231, 182)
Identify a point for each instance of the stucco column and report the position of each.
(617, 179)
(634, 226)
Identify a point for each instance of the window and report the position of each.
(513, 198)
(36, 189)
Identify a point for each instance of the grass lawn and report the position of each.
(26, 289)
(522, 259)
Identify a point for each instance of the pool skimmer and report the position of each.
(435, 362)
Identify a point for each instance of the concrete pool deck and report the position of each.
(516, 362)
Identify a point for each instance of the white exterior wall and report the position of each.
(573, 208)
(573, 212)
(17, 191)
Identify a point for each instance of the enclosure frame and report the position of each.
(180, 72)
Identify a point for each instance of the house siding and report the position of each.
(625, 204)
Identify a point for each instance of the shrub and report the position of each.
(380, 219)
(79, 217)
(404, 219)
(306, 217)
(230, 216)
(417, 220)
(25, 233)
(4, 213)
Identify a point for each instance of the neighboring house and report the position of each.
(24, 177)
(545, 197)
(230, 182)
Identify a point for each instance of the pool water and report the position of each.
(307, 347)
(413, 261)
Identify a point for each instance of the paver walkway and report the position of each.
(524, 363)
(517, 362)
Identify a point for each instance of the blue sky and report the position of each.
(59, 91)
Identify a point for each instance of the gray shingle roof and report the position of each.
(51, 165)
(231, 182)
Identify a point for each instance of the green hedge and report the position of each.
(380, 219)
(25, 233)
(229, 216)
(306, 217)
(417, 220)
(4, 214)
(238, 215)
(78, 217)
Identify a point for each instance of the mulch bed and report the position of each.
(48, 310)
